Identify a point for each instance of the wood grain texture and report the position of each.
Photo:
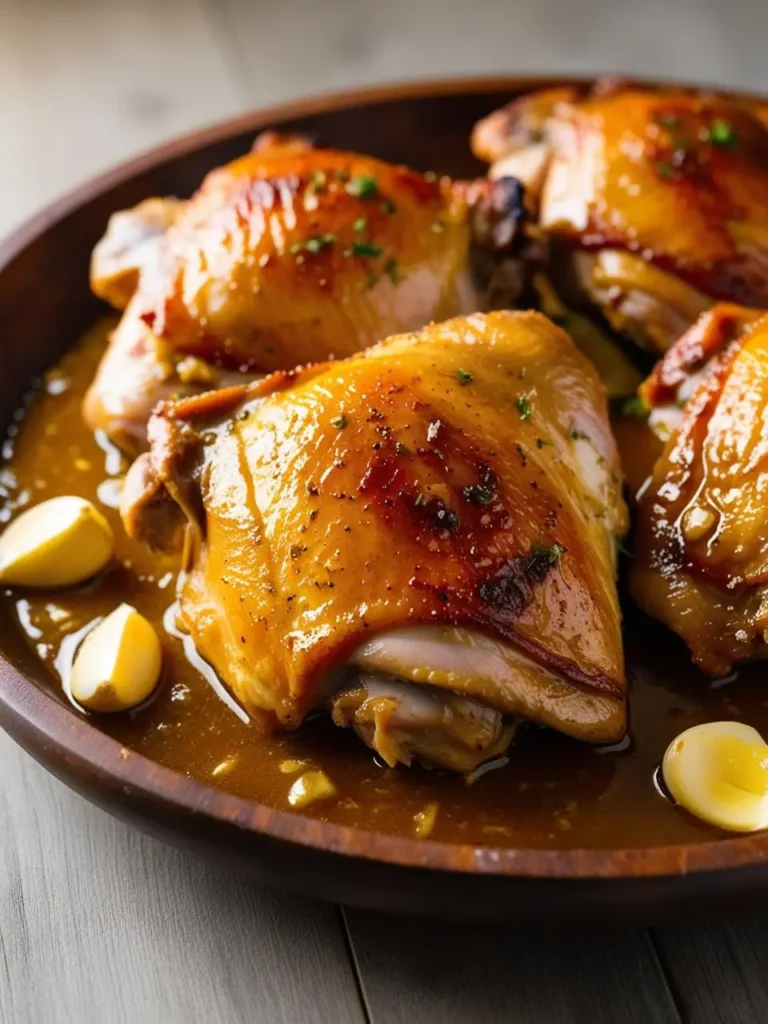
(718, 969)
(99, 923)
(85, 83)
(301, 47)
(433, 974)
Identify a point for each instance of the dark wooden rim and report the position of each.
(30, 711)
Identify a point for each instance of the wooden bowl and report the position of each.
(45, 303)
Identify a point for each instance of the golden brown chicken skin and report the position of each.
(440, 510)
(288, 255)
(661, 197)
(701, 562)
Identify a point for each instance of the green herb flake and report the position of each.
(670, 121)
(392, 271)
(365, 249)
(388, 207)
(550, 555)
(314, 244)
(541, 442)
(634, 406)
(524, 407)
(478, 494)
(419, 499)
(371, 282)
(722, 133)
(340, 422)
(360, 225)
(317, 182)
(342, 175)
(364, 186)
(577, 435)
(665, 170)
(464, 378)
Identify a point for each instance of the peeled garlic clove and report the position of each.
(118, 664)
(58, 543)
(309, 787)
(719, 772)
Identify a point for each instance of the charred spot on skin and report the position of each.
(432, 511)
(485, 491)
(511, 587)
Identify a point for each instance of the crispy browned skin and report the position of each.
(701, 560)
(666, 190)
(288, 255)
(465, 475)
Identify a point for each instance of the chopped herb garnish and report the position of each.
(340, 422)
(403, 449)
(549, 555)
(478, 494)
(665, 170)
(419, 499)
(317, 182)
(524, 407)
(634, 406)
(670, 121)
(365, 249)
(392, 271)
(464, 378)
(314, 244)
(360, 225)
(578, 435)
(371, 282)
(363, 186)
(542, 442)
(342, 175)
(388, 207)
(722, 133)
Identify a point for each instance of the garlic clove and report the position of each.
(58, 543)
(118, 664)
(719, 772)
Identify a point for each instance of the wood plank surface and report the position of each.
(718, 968)
(302, 46)
(85, 83)
(433, 973)
(101, 925)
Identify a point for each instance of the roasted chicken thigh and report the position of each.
(655, 201)
(701, 558)
(420, 539)
(290, 254)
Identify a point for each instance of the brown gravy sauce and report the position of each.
(552, 793)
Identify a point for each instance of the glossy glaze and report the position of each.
(554, 793)
(288, 255)
(702, 551)
(439, 479)
(678, 177)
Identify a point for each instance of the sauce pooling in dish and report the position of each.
(552, 792)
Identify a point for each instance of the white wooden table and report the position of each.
(99, 924)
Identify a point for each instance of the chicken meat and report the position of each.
(701, 554)
(419, 539)
(655, 201)
(289, 255)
